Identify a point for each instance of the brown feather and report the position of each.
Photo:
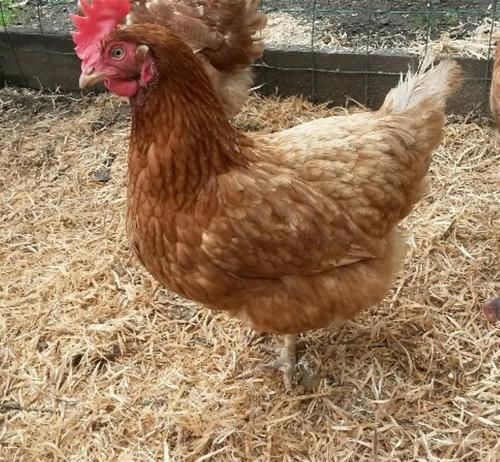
(224, 33)
(288, 232)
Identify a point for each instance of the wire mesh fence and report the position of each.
(316, 28)
(368, 26)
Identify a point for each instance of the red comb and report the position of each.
(101, 17)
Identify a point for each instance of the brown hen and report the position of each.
(288, 232)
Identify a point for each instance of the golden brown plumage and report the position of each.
(291, 231)
(495, 89)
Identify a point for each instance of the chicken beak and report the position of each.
(88, 80)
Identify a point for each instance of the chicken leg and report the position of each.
(288, 359)
(285, 362)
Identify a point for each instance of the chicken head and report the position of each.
(122, 66)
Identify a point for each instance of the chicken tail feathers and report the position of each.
(430, 84)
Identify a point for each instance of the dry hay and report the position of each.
(477, 45)
(285, 30)
(98, 365)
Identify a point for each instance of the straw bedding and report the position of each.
(470, 39)
(98, 363)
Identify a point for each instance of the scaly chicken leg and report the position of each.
(288, 359)
(285, 363)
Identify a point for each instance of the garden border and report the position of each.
(49, 62)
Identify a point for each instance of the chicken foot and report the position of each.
(285, 363)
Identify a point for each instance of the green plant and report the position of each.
(8, 12)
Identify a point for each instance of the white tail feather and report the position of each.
(430, 82)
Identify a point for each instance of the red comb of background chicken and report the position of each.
(101, 17)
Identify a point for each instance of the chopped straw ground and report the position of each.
(98, 364)
(285, 30)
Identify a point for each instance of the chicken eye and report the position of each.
(117, 53)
